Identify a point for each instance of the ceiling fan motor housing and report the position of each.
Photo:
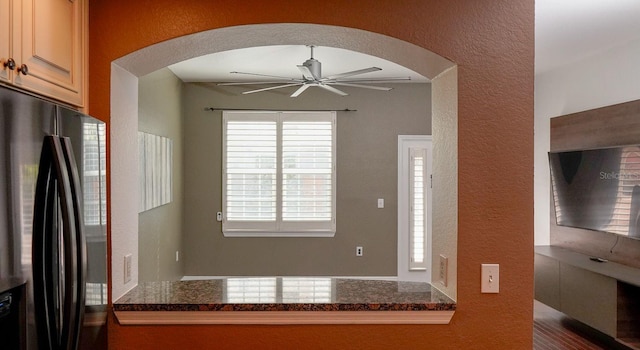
(312, 76)
(315, 67)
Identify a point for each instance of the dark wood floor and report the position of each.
(552, 330)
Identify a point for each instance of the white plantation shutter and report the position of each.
(418, 208)
(251, 171)
(279, 173)
(307, 169)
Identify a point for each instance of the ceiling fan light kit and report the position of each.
(311, 70)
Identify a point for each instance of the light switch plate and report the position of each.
(380, 203)
(490, 282)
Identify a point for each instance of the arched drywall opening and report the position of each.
(160, 55)
(124, 107)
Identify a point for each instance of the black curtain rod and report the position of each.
(211, 109)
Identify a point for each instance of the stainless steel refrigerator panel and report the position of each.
(88, 137)
(24, 122)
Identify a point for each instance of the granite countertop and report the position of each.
(284, 294)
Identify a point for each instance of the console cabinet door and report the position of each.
(49, 41)
(589, 297)
(547, 281)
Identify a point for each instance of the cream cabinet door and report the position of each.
(49, 41)
(5, 39)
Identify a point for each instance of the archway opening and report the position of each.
(124, 118)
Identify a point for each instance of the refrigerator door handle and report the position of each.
(46, 303)
(78, 240)
(54, 185)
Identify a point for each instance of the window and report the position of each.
(279, 173)
(417, 208)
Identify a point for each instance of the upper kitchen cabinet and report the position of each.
(5, 39)
(42, 45)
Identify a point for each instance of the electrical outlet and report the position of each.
(359, 251)
(444, 265)
(380, 203)
(127, 268)
(490, 282)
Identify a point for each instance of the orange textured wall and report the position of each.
(493, 44)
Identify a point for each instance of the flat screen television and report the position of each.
(598, 189)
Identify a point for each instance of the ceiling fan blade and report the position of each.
(266, 75)
(332, 89)
(259, 82)
(352, 73)
(366, 80)
(271, 88)
(300, 90)
(362, 86)
(306, 72)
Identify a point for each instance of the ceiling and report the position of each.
(282, 60)
(566, 31)
(570, 30)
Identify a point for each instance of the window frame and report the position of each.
(405, 270)
(279, 228)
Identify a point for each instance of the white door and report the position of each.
(414, 208)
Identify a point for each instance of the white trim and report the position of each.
(123, 169)
(405, 142)
(282, 317)
(260, 233)
(376, 278)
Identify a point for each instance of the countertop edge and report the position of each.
(289, 307)
(281, 317)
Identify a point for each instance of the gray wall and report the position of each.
(160, 229)
(366, 170)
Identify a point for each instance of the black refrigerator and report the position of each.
(53, 251)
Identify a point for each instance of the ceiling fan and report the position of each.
(312, 76)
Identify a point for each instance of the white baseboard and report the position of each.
(377, 278)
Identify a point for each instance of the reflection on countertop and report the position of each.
(284, 294)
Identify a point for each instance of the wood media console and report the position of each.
(602, 295)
